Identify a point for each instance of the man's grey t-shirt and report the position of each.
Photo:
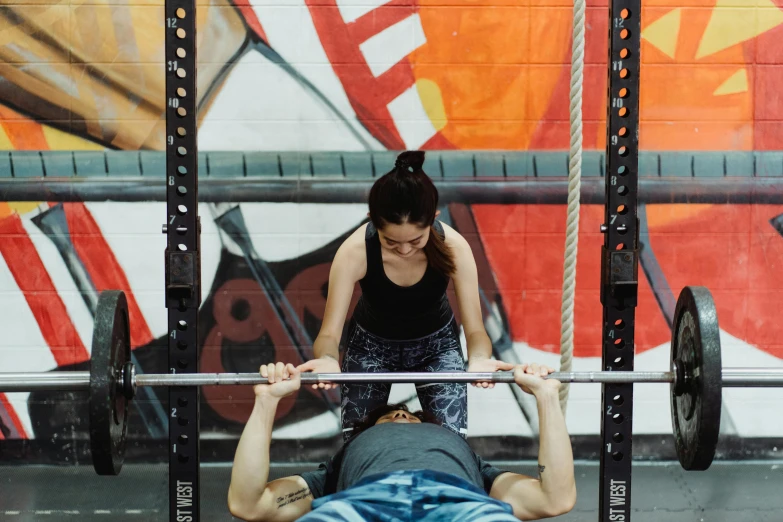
(395, 447)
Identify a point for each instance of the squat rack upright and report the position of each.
(620, 256)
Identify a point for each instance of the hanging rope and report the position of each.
(574, 185)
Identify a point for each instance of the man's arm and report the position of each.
(554, 492)
(250, 497)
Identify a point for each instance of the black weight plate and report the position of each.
(696, 411)
(108, 406)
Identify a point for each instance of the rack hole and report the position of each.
(181, 131)
(181, 170)
(622, 151)
(181, 13)
(622, 210)
(182, 345)
(182, 190)
(182, 325)
(625, 34)
(619, 324)
(182, 112)
(618, 438)
(183, 421)
(181, 53)
(181, 151)
(181, 73)
(181, 33)
(620, 246)
(624, 73)
(623, 93)
(623, 112)
(617, 455)
(619, 344)
(181, 92)
(618, 400)
(621, 170)
(624, 14)
(182, 209)
(618, 418)
(624, 53)
(182, 363)
(622, 190)
(182, 247)
(619, 362)
(623, 132)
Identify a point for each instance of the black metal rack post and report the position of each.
(620, 259)
(183, 262)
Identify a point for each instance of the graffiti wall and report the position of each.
(344, 75)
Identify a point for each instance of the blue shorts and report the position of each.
(408, 496)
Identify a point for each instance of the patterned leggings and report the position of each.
(438, 352)
(408, 496)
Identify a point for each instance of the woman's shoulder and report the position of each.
(453, 238)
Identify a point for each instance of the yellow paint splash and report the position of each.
(431, 99)
(663, 32)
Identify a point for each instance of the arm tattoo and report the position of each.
(290, 498)
(541, 469)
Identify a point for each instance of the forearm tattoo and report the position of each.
(290, 498)
(541, 469)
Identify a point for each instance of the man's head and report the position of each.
(396, 413)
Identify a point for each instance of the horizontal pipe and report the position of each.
(70, 381)
(529, 190)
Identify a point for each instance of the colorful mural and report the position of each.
(359, 76)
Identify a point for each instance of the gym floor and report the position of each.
(728, 491)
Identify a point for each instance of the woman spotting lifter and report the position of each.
(403, 260)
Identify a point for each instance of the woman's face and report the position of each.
(404, 240)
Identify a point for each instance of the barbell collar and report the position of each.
(75, 381)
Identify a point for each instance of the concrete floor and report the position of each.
(661, 492)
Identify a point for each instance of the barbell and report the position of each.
(696, 379)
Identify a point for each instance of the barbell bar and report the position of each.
(80, 380)
(696, 380)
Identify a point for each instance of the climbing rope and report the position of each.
(574, 185)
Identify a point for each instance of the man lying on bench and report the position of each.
(399, 466)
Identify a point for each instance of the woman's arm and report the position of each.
(348, 267)
(466, 286)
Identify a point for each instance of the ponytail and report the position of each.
(439, 254)
(407, 194)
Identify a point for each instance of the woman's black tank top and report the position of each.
(395, 312)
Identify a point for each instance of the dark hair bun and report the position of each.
(410, 159)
